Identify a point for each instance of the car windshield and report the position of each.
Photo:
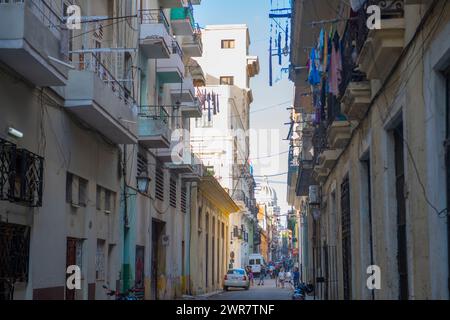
(236, 271)
(252, 261)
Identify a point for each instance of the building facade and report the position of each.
(221, 137)
(371, 187)
(98, 172)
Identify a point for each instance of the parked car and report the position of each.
(236, 278)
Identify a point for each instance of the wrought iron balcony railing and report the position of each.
(90, 61)
(154, 16)
(355, 36)
(176, 49)
(21, 175)
(155, 113)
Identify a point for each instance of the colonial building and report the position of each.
(95, 158)
(210, 234)
(220, 137)
(374, 106)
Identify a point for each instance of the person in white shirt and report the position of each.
(281, 277)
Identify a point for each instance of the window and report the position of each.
(173, 193)
(252, 261)
(183, 200)
(227, 81)
(105, 199)
(228, 44)
(76, 190)
(82, 192)
(159, 191)
(142, 164)
(346, 238)
(100, 261)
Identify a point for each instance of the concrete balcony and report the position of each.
(186, 165)
(182, 20)
(31, 42)
(154, 131)
(197, 171)
(356, 100)
(182, 92)
(253, 67)
(327, 159)
(155, 40)
(382, 48)
(171, 70)
(320, 173)
(192, 109)
(192, 45)
(196, 72)
(172, 3)
(339, 134)
(98, 99)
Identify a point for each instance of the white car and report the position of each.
(236, 278)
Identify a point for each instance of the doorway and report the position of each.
(158, 256)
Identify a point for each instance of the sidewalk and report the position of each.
(204, 296)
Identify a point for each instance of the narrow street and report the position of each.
(267, 292)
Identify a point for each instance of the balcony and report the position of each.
(327, 159)
(182, 20)
(192, 109)
(21, 175)
(171, 70)
(383, 47)
(98, 99)
(185, 165)
(196, 72)
(197, 171)
(252, 66)
(154, 131)
(182, 92)
(172, 3)
(192, 44)
(356, 100)
(339, 134)
(31, 41)
(155, 39)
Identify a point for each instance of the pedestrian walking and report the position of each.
(296, 277)
(281, 277)
(275, 275)
(262, 275)
(250, 275)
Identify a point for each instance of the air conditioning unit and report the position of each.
(314, 194)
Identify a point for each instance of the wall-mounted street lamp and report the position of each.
(143, 182)
(15, 133)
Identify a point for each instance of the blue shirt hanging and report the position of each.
(314, 76)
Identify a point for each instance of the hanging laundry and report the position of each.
(270, 63)
(357, 4)
(209, 107)
(335, 66)
(280, 62)
(213, 98)
(325, 52)
(314, 76)
(217, 103)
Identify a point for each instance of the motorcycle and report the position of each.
(129, 295)
(302, 290)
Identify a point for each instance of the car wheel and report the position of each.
(247, 287)
(225, 288)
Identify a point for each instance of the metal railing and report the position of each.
(90, 61)
(21, 175)
(45, 11)
(154, 113)
(176, 49)
(154, 16)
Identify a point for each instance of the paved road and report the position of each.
(266, 292)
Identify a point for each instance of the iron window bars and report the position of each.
(21, 175)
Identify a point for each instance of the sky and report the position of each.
(269, 109)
